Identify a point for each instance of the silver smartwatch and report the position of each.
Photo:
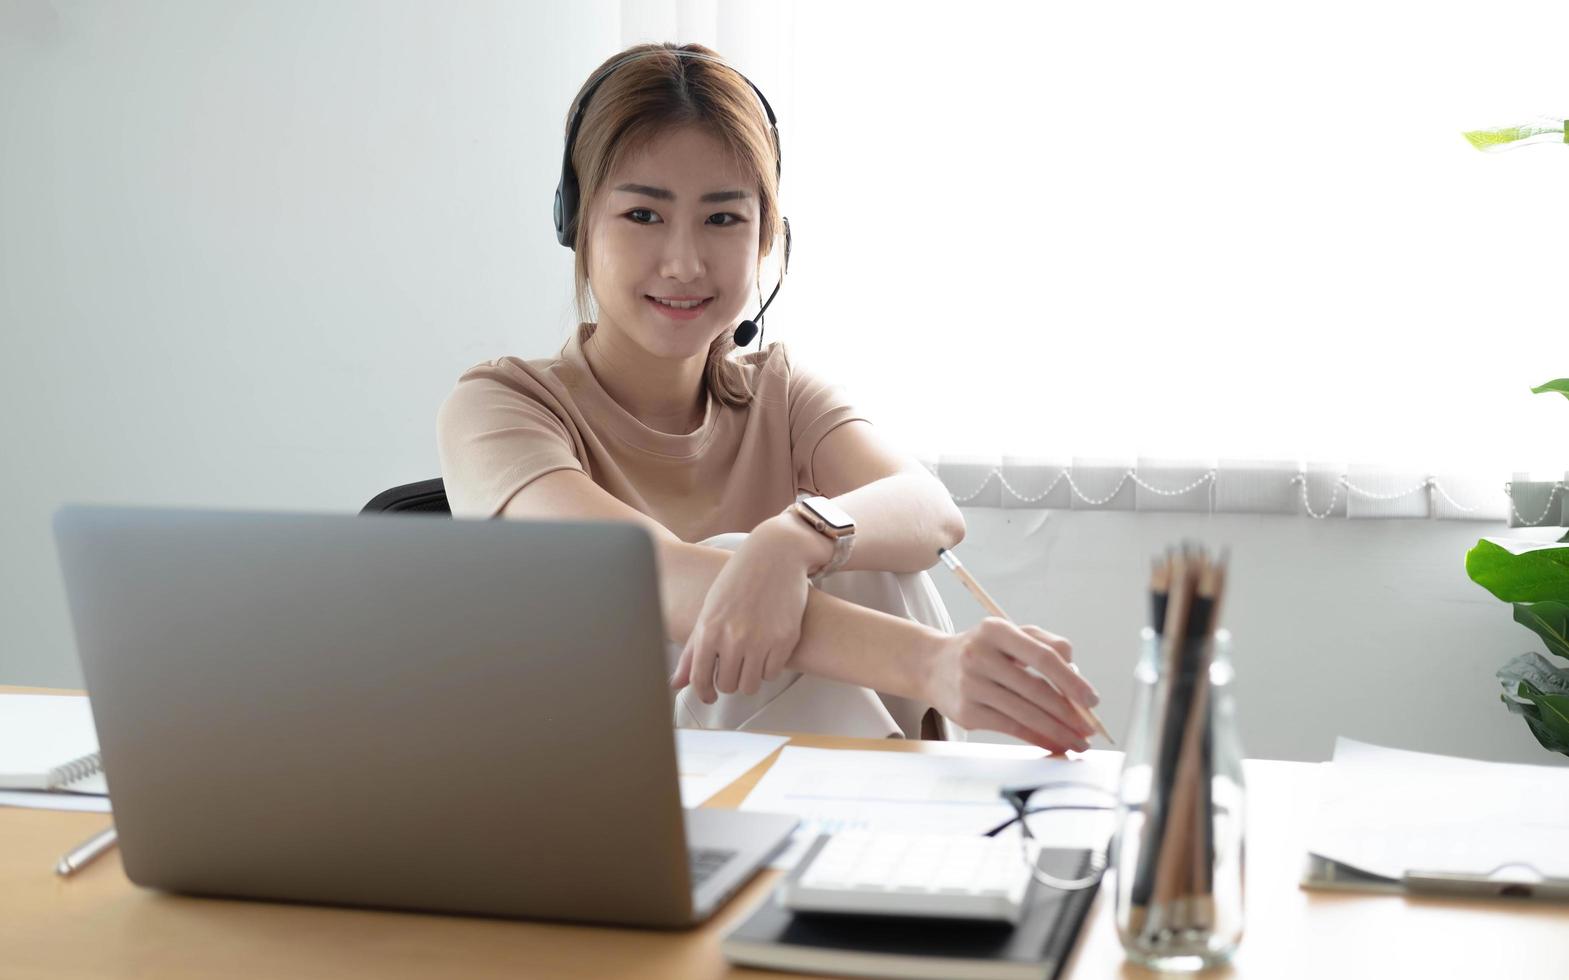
(832, 522)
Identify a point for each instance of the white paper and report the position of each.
(41, 731)
(1389, 811)
(710, 760)
(905, 792)
(42, 800)
(60, 728)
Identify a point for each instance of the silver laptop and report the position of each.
(395, 711)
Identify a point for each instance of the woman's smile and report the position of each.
(676, 312)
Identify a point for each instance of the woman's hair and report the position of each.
(638, 102)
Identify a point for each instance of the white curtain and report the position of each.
(1197, 231)
(1316, 489)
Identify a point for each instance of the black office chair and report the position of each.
(424, 497)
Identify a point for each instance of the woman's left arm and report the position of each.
(750, 622)
(902, 513)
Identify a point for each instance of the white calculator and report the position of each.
(948, 876)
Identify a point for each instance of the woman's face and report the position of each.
(653, 234)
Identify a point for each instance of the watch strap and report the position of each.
(841, 553)
(842, 543)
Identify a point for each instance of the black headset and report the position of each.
(566, 210)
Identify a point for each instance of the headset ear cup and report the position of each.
(566, 210)
(786, 269)
(566, 202)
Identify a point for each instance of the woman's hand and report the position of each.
(979, 679)
(750, 622)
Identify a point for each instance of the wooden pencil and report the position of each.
(1175, 898)
(1176, 850)
(1160, 586)
(1170, 705)
(1201, 845)
(1160, 589)
(1195, 877)
(984, 598)
(1205, 881)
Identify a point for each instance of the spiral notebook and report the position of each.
(48, 742)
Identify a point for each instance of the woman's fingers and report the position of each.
(1032, 716)
(704, 660)
(712, 673)
(1010, 674)
(1059, 643)
(728, 675)
(752, 674)
(683, 672)
(985, 717)
(1035, 653)
(776, 660)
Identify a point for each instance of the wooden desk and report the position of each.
(97, 924)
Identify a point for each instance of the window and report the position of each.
(1181, 231)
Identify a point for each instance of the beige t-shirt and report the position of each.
(510, 420)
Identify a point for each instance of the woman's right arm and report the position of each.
(686, 571)
(975, 678)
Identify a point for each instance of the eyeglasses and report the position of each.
(1045, 821)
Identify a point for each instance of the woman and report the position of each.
(645, 415)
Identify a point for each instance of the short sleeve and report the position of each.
(493, 439)
(817, 407)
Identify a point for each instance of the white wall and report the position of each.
(246, 248)
(1367, 628)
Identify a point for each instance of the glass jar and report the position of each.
(1180, 911)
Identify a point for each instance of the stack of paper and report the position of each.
(836, 789)
(1387, 812)
(40, 733)
(710, 759)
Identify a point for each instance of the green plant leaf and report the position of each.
(1555, 707)
(1520, 571)
(1519, 702)
(1546, 714)
(1527, 676)
(1561, 386)
(1549, 620)
(1543, 129)
(1553, 720)
(1547, 736)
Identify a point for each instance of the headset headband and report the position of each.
(566, 207)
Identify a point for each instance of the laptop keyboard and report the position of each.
(702, 862)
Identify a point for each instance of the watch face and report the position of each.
(830, 512)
